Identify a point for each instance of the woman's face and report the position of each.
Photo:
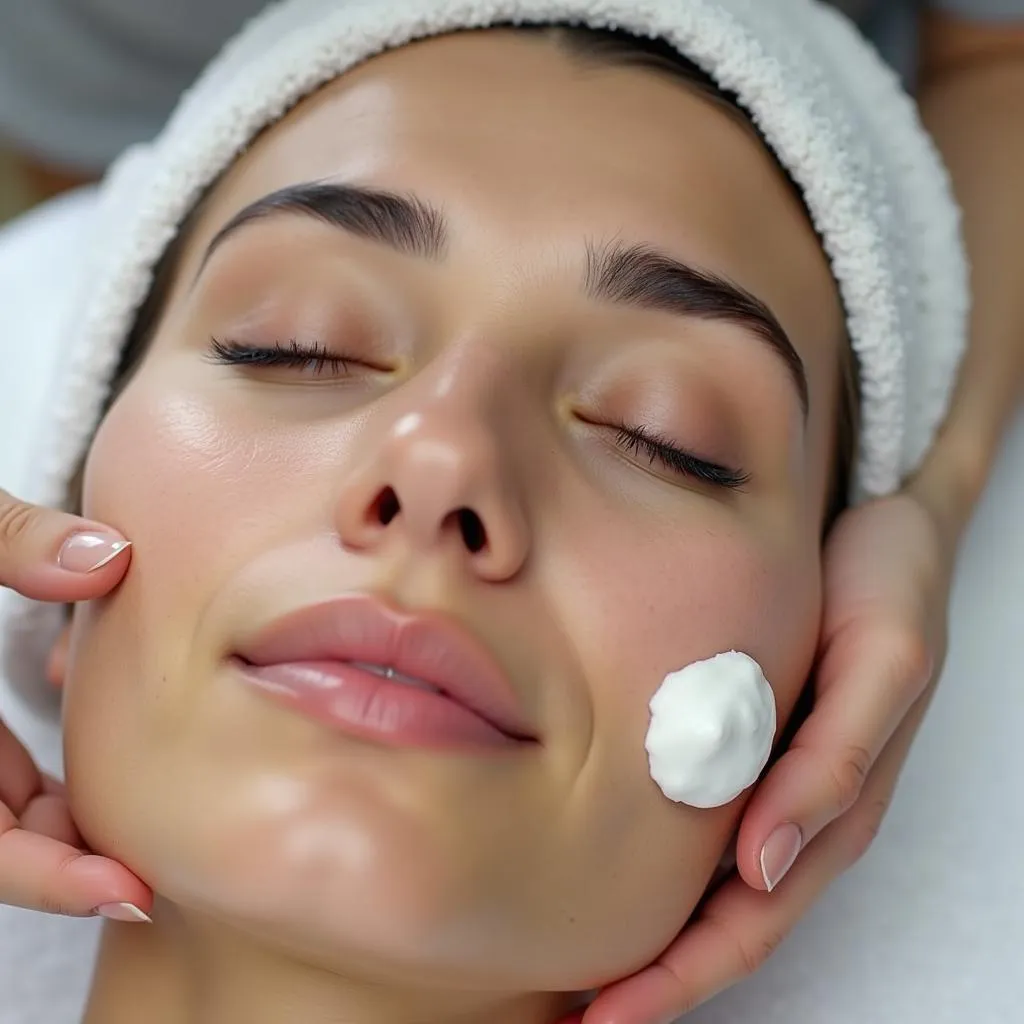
(475, 455)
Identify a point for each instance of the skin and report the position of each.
(303, 875)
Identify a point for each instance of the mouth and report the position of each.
(387, 672)
(369, 670)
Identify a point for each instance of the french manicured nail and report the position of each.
(87, 552)
(779, 852)
(123, 912)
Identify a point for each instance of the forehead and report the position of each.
(531, 151)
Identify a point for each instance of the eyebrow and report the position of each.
(404, 223)
(646, 277)
(636, 275)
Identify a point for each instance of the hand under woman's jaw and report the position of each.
(588, 493)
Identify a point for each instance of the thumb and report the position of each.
(53, 556)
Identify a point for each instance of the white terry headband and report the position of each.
(832, 111)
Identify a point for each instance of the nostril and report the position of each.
(473, 533)
(386, 507)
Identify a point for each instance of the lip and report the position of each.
(314, 659)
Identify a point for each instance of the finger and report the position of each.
(739, 927)
(40, 873)
(50, 816)
(52, 556)
(52, 786)
(19, 778)
(865, 691)
(62, 826)
(37, 801)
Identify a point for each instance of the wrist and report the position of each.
(952, 479)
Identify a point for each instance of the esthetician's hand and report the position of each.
(888, 569)
(50, 556)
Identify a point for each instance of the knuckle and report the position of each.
(54, 900)
(751, 952)
(685, 999)
(910, 659)
(865, 825)
(16, 520)
(755, 952)
(53, 903)
(848, 775)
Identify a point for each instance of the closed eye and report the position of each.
(661, 451)
(313, 359)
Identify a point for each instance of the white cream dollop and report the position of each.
(712, 728)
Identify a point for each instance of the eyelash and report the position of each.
(658, 449)
(636, 440)
(313, 358)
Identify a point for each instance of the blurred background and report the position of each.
(24, 182)
(80, 80)
(16, 193)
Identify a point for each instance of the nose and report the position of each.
(439, 481)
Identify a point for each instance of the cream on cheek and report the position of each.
(649, 598)
(711, 732)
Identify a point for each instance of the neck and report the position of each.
(181, 970)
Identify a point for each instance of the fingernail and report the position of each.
(779, 852)
(123, 912)
(87, 552)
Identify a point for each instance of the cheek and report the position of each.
(652, 602)
(172, 472)
(197, 489)
(152, 466)
(658, 598)
(185, 485)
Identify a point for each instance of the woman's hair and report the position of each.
(600, 47)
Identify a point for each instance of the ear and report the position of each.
(57, 661)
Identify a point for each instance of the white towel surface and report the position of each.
(928, 929)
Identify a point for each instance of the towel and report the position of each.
(834, 114)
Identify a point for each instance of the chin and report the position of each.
(361, 892)
(387, 864)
